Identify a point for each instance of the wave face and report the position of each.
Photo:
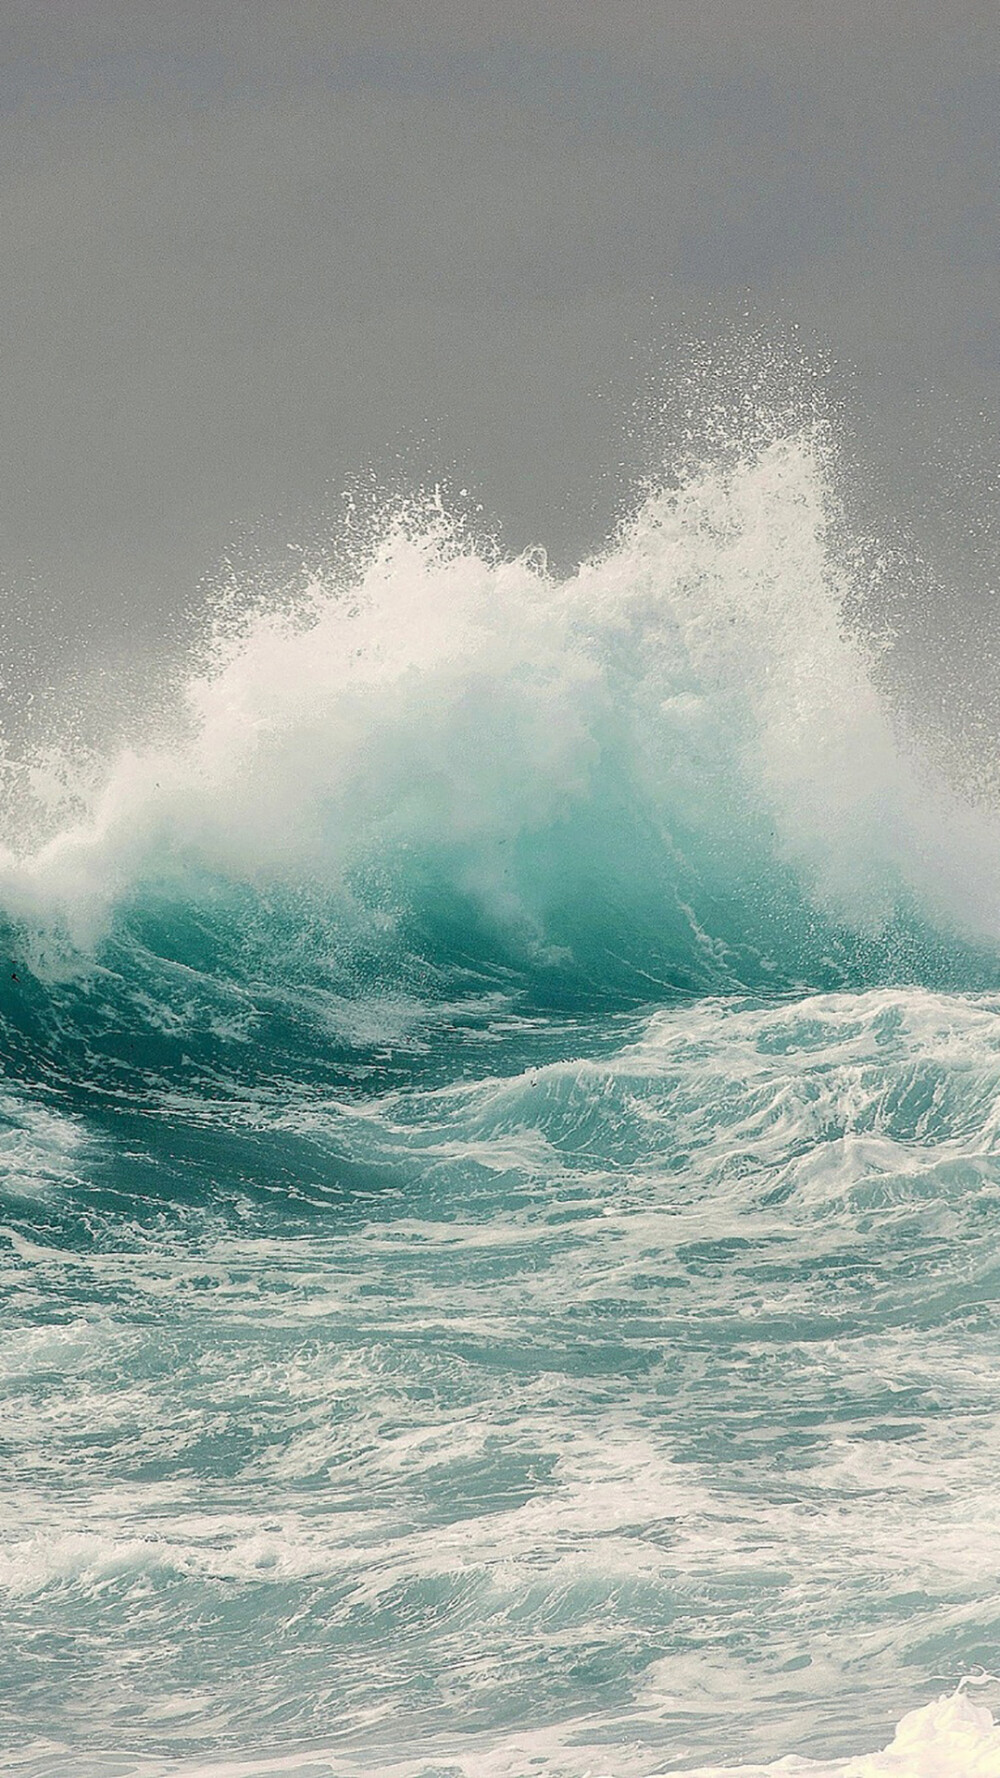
(501, 1183)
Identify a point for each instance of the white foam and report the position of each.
(448, 700)
(949, 1738)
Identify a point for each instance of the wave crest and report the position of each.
(671, 772)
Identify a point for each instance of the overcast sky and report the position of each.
(250, 246)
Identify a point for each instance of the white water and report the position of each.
(952, 1737)
(446, 702)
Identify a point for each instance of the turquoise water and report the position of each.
(501, 1187)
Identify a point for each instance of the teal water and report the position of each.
(501, 1188)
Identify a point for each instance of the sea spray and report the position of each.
(671, 771)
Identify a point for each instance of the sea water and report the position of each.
(500, 1160)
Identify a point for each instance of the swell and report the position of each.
(436, 784)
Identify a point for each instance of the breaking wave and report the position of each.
(500, 1173)
(445, 775)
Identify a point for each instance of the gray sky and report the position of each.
(251, 245)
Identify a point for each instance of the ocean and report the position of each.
(500, 1161)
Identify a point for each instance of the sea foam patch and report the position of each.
(953, 1737)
